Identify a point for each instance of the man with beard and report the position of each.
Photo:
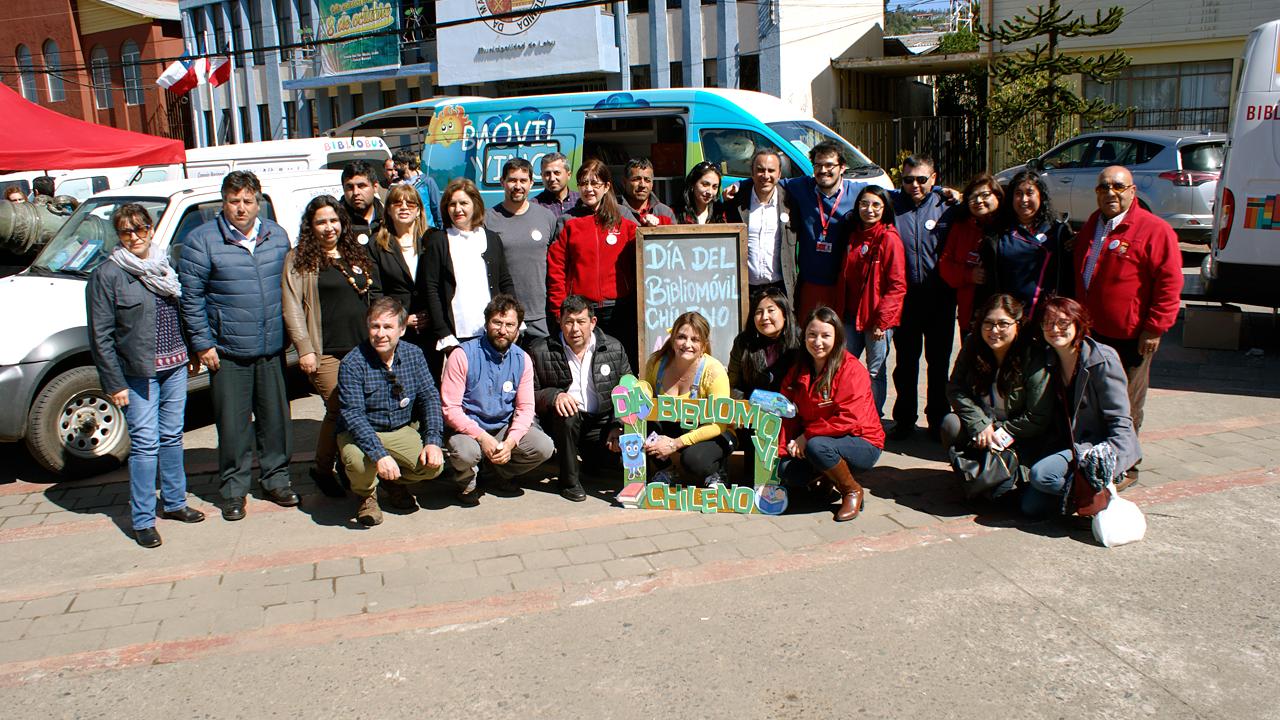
(526, 230)
(358, 199)
(638, 202)
(487, 396)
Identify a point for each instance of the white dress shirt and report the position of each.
(582, 389)
(764, 262)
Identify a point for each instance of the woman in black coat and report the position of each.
(462, 269)
(397, 248)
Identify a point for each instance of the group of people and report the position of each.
(442, 333)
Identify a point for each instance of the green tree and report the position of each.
(1031, 83)
(962, 93)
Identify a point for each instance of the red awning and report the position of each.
(37, 138)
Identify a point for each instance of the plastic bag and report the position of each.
(1121, 522)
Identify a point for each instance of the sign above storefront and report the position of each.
(518, 39)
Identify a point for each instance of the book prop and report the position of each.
(634, 402)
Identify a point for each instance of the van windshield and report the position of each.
(804, 134)
(87, 238)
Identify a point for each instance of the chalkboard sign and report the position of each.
(691, 267)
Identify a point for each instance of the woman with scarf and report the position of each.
(329, 280)
(875, 281)
(139, 347)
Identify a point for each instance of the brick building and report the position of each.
(96, 60)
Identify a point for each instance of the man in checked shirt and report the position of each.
(390, 424)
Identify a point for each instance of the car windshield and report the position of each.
(804, 134)
(1205, 157)
(87, 238)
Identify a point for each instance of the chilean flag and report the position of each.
(186, 73)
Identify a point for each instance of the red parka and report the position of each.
(1137, 283)
(582, 261)
(848, 409)
(875, 277)
(956, 264)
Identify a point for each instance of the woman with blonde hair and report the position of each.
(684, 368)
(396, 248)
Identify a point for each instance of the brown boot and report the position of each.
(851, 493)
(369, 513)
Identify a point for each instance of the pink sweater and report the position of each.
(453, 381)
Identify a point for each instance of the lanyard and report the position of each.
(823, 218)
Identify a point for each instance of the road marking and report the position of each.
(499, 608)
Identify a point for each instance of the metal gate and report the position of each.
(956, 142)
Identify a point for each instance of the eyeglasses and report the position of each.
(1000, 325)
(593, 184)
(915, 179)
(1061, 325)
(826, 166)
(980, 196)
(396, 388)
(1114, 187)
(864, 205)
(141, 231)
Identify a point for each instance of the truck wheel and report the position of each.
(73, 430)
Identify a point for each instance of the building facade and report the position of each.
(96, 60)
(286, 84)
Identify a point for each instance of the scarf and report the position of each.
(153, 272)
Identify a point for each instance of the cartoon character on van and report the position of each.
(448, 126)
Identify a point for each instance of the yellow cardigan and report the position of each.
(713, 383)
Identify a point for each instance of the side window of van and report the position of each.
(731, 150)
(497, 154)
(152, 175)
(199, 214)
(82, 188)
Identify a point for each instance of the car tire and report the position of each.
(73, 429)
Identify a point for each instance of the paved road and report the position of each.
(532, 606)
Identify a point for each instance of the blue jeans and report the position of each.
(1046, 484)
(155, 414)
(822, 453)
(877, 354)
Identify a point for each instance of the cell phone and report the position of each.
(1002, 439)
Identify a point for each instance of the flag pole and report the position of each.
(213, 112)
(236, 134)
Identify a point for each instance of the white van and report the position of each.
(84, 183)
(1245, 256)
(52, 399)
(271, 157)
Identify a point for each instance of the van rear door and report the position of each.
(661, 134)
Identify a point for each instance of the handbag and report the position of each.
(1121, 522)
(982, 471)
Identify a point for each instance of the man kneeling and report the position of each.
(391, 427)
(487, 394)
(576, 374)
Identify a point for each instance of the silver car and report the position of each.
(1176, 172)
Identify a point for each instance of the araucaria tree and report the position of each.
(1034, 81)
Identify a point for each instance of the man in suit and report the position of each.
(771, 240)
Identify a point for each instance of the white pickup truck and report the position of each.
(49, 391)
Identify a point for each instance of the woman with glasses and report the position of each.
(1097, 444)
(875, 282)
(594, 255)
(702, 196)
(999, 388)
(461, 270)
(396, 248)
(1030, 258)
(329, 281)
(964, 263)
(139, 346)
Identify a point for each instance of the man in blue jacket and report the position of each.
(231, 302)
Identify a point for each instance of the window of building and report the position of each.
(100, 69)
(27, 74)
(52, 65)
(130, 60)
(255, 31)
(1188, 85)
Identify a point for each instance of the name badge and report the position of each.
(863, 250)
(612, 239)
(356, 269)
(404, 402)
(363, 239)
(536, 235)
(604, 370)
(824, 247)
(508, 386)
(930, 224)
(1113, 244)
(784, 218)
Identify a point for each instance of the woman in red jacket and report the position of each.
(836, 430)
(594, 255)
(961, 263)
(875, 281)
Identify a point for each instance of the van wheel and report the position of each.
(73, 429)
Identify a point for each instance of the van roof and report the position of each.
(766, 108)
(169, 188)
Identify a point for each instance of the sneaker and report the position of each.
(399, 496)
(1127, 480)
(469, 496)
(504, 487)
(369, 513)
(716, 479)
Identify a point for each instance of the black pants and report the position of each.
(250, 404)
(581, 434)
(699, 460)
(928, 322)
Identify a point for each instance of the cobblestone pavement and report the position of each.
(78, 597)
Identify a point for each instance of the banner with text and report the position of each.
(374, 26)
